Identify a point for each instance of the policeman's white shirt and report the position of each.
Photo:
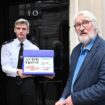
(9, 55)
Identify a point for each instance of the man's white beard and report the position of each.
(85, 40)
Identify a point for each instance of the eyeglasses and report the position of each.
(85, 24)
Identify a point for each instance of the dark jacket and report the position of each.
(89, 87)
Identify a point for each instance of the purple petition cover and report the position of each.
(45, 58)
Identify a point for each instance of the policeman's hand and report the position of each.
(20, 73)
(50, 77)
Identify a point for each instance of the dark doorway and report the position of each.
(49, 21)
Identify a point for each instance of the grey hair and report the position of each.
(91, 16)
(22, 21)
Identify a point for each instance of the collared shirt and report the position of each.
(81, 58)
(9, 55)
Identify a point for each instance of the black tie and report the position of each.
(20, 62)
(20, 57)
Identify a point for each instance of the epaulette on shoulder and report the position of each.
(6, 42)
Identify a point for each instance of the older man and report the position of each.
(86, 83)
